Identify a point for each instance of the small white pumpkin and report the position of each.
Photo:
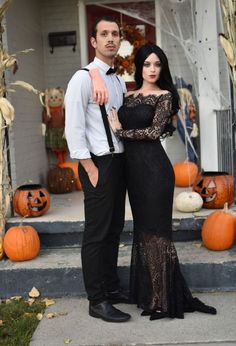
(188, 201)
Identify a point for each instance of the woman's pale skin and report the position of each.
(151, 73)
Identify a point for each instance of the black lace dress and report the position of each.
(156, 282)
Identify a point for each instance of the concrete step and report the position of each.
(196, 329)
(63, 225)
(57, 272)
(69, 233)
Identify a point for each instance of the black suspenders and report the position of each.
(106, 124)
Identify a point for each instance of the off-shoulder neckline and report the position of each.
(148, 95)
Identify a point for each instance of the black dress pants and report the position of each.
(104, 220)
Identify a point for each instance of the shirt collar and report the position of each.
(102, 65)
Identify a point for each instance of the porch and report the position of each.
(57, 271)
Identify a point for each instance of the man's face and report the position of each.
(107, 41)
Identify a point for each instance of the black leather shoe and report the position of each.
(107, 312)
(117, 297)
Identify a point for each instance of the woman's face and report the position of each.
(151, 68)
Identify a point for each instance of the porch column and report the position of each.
(82, 25)
(208, 80)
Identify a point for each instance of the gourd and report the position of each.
(185, 173)
(61, 180)
(218, 230)
(21, 243)
(188, 201)
(31, 200)
(74, 166)
(216, 188)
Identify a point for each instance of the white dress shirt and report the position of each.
(84, 128)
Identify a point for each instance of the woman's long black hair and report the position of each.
(165, 80)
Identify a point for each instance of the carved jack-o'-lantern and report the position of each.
(31, 200)
(216, 188)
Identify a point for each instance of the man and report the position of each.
(101, 172)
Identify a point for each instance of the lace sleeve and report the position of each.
(161, 118)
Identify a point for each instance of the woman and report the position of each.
(157, 285)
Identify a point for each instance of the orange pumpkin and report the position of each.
(215, 188)
(218, 230)
(21, 243)
(185, 173)
(74, 166)
(31, 200)
(235, 228)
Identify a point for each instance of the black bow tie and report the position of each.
(111, 70)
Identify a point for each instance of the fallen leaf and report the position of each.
(30, 314)
(34, 293)
(48, 302)
(56, 314)
(67, 341)
(39, 316)
(30, 301)
(1, 322)
(16, 298)
(198, 245)
(51, 315)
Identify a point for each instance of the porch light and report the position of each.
(59, 39)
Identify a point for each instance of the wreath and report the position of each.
(136, 39)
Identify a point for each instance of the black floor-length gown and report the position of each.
(156, 282)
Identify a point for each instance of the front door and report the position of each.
(137, 21)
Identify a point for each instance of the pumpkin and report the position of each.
(185, 173)
(61, 180)
(188, 201)
(218, 230)
(75, 167)
(235, 228)
(31, 200)
(21, 243)
(216, 188)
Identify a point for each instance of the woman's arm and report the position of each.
(161, 118)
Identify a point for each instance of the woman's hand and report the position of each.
(114, 120)
(99, 89)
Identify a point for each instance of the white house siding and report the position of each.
(178, 63)
(28, 154)
(57, 16)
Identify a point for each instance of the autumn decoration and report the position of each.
(74, 166)
(31, 200)
(21, 243)
(228, 38)
(185, 173)
(135, 37)
(216, 188)
(188, 202)
(218, 230)
(61, 180)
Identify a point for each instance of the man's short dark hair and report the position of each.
(106, 19)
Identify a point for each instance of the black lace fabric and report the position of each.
(162, 116)
(156, 282)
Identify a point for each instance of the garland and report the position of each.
(136, 39)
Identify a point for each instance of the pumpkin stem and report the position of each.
(226, 209)
(22, 220)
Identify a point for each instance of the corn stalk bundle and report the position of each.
(228, 38)
(6, 118)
